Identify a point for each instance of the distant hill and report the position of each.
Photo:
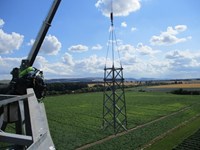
(88, 79)
(100, 79)
(97, 79)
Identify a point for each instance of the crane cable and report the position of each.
(112, 39)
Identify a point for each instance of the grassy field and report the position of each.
(189, 85)
(176, 136)
(76, 119)
(173, 87)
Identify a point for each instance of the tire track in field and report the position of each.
(130, 130)
(168, 132)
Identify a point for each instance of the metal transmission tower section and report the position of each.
(114, 104)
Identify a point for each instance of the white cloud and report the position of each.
(173, 55)
(189, 37)
(7, 64)
(78, 48)
(63, 69)
(174, 64)
(169, 37)
(117, 42)
(150, 67)
(31, 42)
(140, 49)
(180, 28)
(52, 69)
(57, 70)
(10, 42)
(120, 8)
(69, 67)
(127, 48)
(68, 59)
(66, 67)
(124, 24)
(129, 59)
(97, 47)
(51, 45)
(145, 50)
(127, 54)
(133, 29)
(136, 63)
(183, 61)
(1, 23)
(91, 65)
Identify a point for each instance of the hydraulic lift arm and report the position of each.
(40, 37)
(27, 76)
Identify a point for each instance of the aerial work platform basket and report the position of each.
(31, 127)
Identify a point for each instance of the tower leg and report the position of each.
(114, 105)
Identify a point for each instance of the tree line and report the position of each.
(64, 88)
(58, 88)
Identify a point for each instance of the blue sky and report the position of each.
(156, 38)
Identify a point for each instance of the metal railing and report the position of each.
(32, 131)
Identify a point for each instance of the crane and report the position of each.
(21, 105)
(20, 82)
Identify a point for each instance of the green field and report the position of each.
(75, 120)
(177, 136)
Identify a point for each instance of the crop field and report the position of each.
(173, 87)
(189, 85)
(75, 120)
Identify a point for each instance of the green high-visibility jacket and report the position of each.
(25, 71)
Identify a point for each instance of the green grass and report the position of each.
(75, 120)
(137, 138)
(177, 136)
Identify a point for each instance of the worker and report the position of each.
(26, 71)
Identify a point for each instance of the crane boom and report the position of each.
(27, 76)
(42, 33)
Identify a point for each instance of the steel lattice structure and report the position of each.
(114, 105)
